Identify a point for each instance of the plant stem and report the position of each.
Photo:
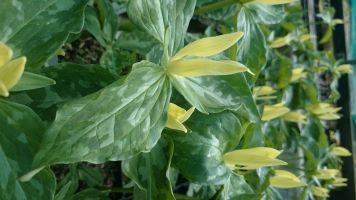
(214, 6)
(115, 189)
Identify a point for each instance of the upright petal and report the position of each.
(3, 90)
(273, 111)
(280, 42)
(204, 67)
(340, 151)
(209, 46)
(320, 191)
(285, 179)
(12, 71)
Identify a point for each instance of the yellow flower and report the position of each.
(264, 92)
(344, 69)
(320, 191)
(280, 42)
(325, 174)
(297, 74)
(306, 37)
(10, 70)
(273, 2)
(274, 111)
(339, 182)
(295, 117)
(324, 111)
(253, 158)
(177, 116)
(340, 151)
(191, 67)
(285, 179)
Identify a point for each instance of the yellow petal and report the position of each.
(273, 2)
(204, 67)
(274, 111)
(285, 179)
(344, 69)
(176, 111)
(320, 192)
(295, 117)
(325, 174)
(209, 46)
(306, 37)
(186, 115)
(5, 54)
(340, 151)
(263, 90)
(297, 74)
(252, 158)
(176, 117)
(12, 71)
(339, 182)
(60, 52)
(280, 42)
(322, 108)
(3, 90)
(173, 123)
(329, 116)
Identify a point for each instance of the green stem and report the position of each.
(214, 6)
(115, 189)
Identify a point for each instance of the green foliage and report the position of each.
(75, 119)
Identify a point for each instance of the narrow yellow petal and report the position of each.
(273, 111)
(204, 67)
(329, 116)
(3, 90)
(209, 46)
(306, 37)
(285, 179)
(252, 158)
(5, 54)
(339, 182)
(325, 174)
(263, 90)
(297, 74)
(295, 117)
(320, 192)
(344, 69)
(12, 71)
(274, 2)
(340, 151)
(186, 115)
(175, 111)
(280, 42)
(172, 123)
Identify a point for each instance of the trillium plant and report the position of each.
(165, 99)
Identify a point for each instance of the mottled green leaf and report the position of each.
(212, 94)
(268, 14)
(37, 30)
(237, 188)
(199, 154)
(20, 135)
(116, 123)
(150, 171)
(252, 47)
(157, 17)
